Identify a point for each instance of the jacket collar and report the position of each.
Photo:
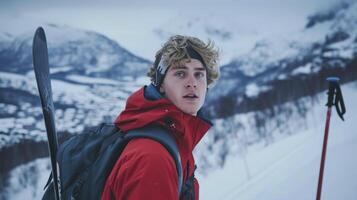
(148, 106)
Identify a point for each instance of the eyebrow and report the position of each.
(184, 67)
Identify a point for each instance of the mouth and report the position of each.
(190, 96)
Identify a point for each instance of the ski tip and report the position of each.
(40, 33)
(333, 79)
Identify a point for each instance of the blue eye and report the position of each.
(200, 75)
(180, 74)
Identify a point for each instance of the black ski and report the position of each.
(41, 67)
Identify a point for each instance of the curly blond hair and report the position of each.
(174, 51)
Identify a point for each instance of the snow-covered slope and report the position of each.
(27, 181)
(289, 167)
(76, 105)
(286, 169)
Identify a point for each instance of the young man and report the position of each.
(184, 69)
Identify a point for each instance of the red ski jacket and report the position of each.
(145, 170)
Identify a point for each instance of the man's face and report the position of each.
(185, 85)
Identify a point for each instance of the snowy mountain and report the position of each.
(86, 70)
(74, 51)
(276, 65)
(5, 39)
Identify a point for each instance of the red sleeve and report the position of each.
(145, 170)
(197, 189)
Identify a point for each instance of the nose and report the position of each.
(191, 82)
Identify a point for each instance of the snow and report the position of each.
(289, 168)
(11, 109)
(306, 69)
(142, 80)
(285, 169)
(89, 80)
(269, 50)
(266, 52)
(316, 33)
(70, 93)
(54, 70)
(17, 81)
(27, 181)
(78, 105)
(253, 90)
(6, 124)
(342, 44)
(343, 49)
(55, 37)
(347, 20)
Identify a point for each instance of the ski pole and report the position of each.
(334, 98)
(41, 68)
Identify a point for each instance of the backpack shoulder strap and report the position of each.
(160, 135)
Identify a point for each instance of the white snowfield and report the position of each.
(286, 169)
(289, 168)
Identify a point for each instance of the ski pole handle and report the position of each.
(332, 81)
(335, 96)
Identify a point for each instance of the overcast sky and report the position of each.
(135, 24)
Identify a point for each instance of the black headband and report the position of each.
(195, 55)
(162, 68)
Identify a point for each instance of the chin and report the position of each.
(190, 112)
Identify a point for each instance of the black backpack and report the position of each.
(86, 160)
